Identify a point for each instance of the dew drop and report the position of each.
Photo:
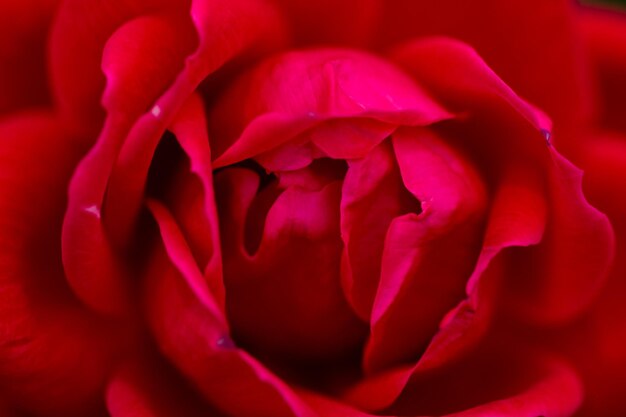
(156, 111)
(93, 210)
(225, 342)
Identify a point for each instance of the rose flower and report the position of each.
(299, 209)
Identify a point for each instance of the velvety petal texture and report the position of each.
(575, 260)
(282, 208)
(531, 44)
(604, 33)
(23, 39)
(54, 354)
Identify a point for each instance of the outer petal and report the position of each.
(497, 381)
(92, 266)
(326, 21)
(225, 29)
(532, 44)
(193, 334)
(145, 389)
(24, 28)
(455, 72)
(577, 249)
(79, 35)
(597, 344)
(604, 33)
(575, 255)
(53, 354)
(491, 383)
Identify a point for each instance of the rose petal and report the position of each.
(179, 253)
(128, 180)
(261, 111)
(106, 289)
(456, 73)
(598, 344)
(53, 354)
(419, 283)
(569, 268)
(24, 28)
(78, 37)
(325, 21)
(604, 33)
(460, 331)
(285, 299)
(329, 407)
(497, 381)
(372, 195)
(518, 216)
(193, 335)
(564, 273)
(144, 389)
(86, 248)
(533, 46)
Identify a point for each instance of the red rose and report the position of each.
(288, 208)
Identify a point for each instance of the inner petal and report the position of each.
(284, 300)
(372, 196)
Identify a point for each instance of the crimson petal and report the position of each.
(512, 37)
(577, 249)
(192, 332)
(24, 28)
(262, 111)
(419, 283)
(53, 353)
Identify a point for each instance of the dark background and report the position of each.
(617, 3)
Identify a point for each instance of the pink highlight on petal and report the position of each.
(332, 84)
(419, 283)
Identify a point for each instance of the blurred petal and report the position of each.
(598, 343)
(53, 354)
(418, 282)
(325, 21)
(459, 76)
(604, 33)
(24, 27)
(498, 380)
(532, 44)
(77, 44)
(87, 251)
(329, 407)
(567, 268)
(144, 389)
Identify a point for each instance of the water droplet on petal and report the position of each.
(93, 210)
(156, 111)
(225, 342)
